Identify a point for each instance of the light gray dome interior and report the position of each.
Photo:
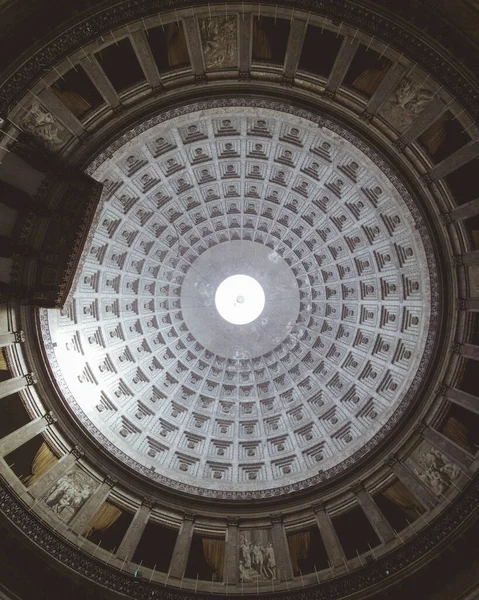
(169, 387)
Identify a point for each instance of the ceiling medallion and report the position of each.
(344, 307)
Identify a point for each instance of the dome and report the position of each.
(150, 367)
(239, 298)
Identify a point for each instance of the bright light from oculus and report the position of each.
(239, 299)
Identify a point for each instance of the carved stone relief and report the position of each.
(49, 132)
(69, 494)
(220, 42)
(257, 561)
(433, 468)
(403, 106)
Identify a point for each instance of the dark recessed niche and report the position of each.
(14, 415)
(168, 46)
(5, 374)
(469, 382)
(319, 52)
(464, 182)
(21, 459)
(355, 532)
(444, 137)
(156, 547)
(270, 39)
(367, 70)
(198, 565)
(307, 551)
(120, 65)
(474, 319)
(398, 506)
(77, 92)
(110, 537)
(461, 426)
(472, 226)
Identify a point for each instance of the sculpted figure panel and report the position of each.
(69, 494)
(45, 127)
(257, 558)
(409, 99)
(219, 41)
(433, 468)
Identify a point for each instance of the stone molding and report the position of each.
(432, 334)
(429, 538)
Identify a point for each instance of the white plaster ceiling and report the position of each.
(298, 395)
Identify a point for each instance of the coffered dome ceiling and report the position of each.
(156, 429)
(156, 375)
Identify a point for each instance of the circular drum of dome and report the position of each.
(321, 376)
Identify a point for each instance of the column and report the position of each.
(429, 115)
(468, 351)
(447, 447)
(21, 436)
(145, 57)
(378, 521)
(181, 550)
(99, 79)
(15, 384)
(297, 32)
(245, 44)
(281, 548)
(456, 160)
(232, 551)
(469, 209)
(469, 258)
(413, 484)
(194, 46)
(11, 337)
(467, 401)
(46, 481)
(385, 88)
(132, 537)
(86, 513)
(329, 536)
(341, 64)
(59, 110)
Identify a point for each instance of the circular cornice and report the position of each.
(427, 541)
(369, 292)
(396, 35)
(361, 583)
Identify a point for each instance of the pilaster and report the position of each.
(15, 384)
(281, 548)
(413, 484)
(423, 121)
(232, 551)
(329, 536)
(456, 160)
(132, 537)
(21, 436)
(467, 401)
(145, 57)
(378, 521)
(99, 79)
(62, 465)
(89, 509)
(447, 447)
(181, 551)
(11, 337)
(341, 64)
